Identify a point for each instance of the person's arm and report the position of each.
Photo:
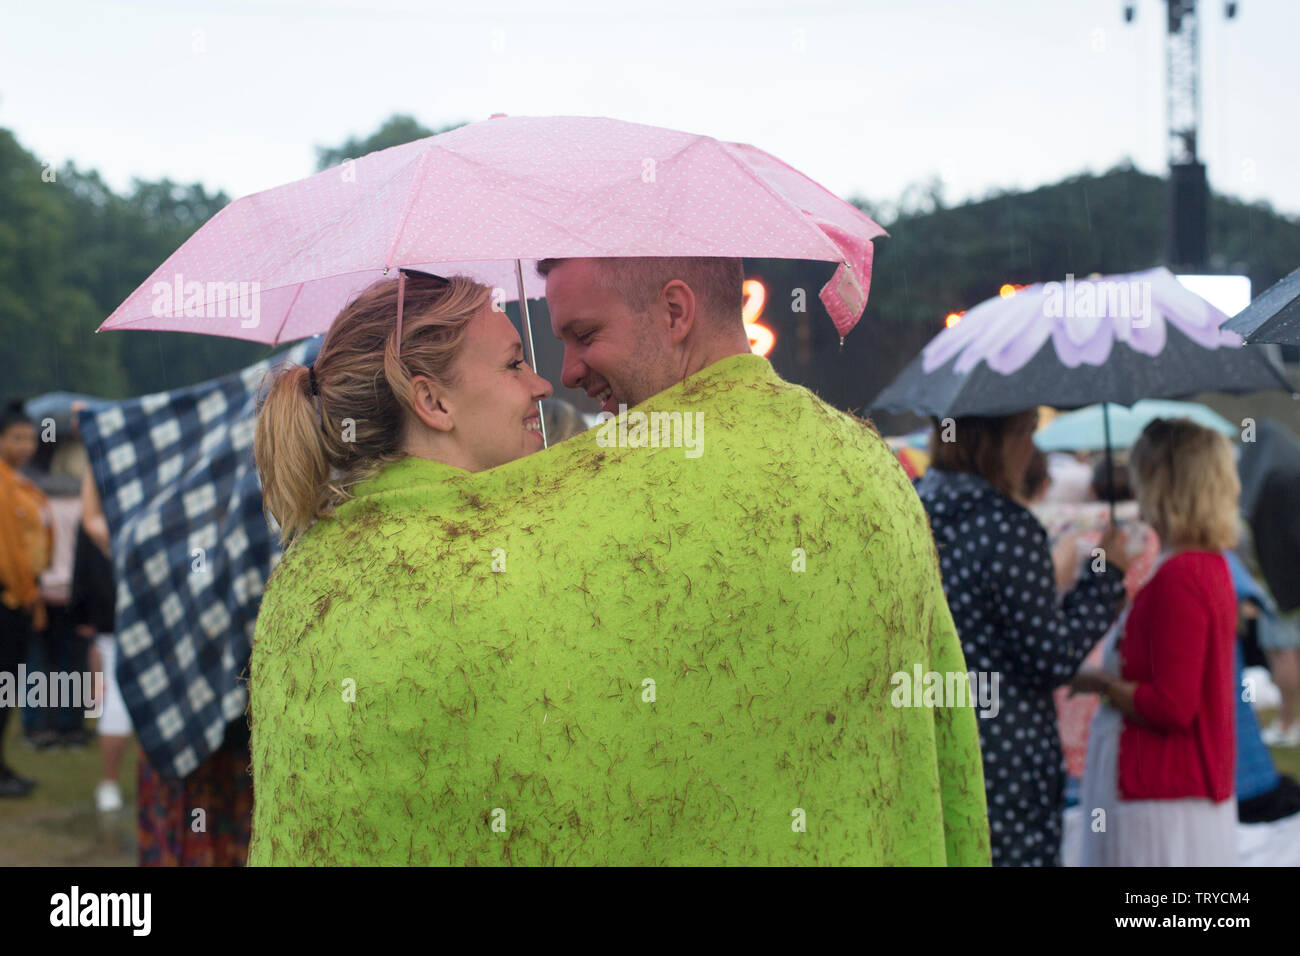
(80, 597)
(92, 513)
(1044, 643)
(1117, 691)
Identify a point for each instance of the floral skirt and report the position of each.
(203, 820)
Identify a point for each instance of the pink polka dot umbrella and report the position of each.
(488, 200)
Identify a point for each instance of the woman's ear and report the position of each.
(432, 404)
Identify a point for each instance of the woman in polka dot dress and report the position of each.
(998, 576)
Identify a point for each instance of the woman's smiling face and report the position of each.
(494, 399)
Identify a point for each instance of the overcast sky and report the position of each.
(865, 97)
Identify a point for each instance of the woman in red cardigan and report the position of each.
(1164, 795)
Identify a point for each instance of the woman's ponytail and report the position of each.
(291, 453)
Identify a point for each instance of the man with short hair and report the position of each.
(674, 640)
(633, 329)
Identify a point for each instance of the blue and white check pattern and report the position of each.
(191, 552)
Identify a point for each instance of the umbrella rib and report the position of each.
(802, 215)
(415, 192)
(288, 312)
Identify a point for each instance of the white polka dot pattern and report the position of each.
(475, 199)
(997, 574)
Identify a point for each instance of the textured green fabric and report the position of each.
(504, 716)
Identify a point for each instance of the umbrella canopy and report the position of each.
(58, 407)
(1085, 429)
(1274, 316)
(1115, 339)
(478, 201)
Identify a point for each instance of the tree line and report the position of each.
(72, 249)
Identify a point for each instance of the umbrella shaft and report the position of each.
(528, 333)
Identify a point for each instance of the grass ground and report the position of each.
(57, 824)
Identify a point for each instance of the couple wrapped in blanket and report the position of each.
(640, 646)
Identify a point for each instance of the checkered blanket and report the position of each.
(191, 552)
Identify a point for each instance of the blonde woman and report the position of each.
(1158, 785)
(417, 366)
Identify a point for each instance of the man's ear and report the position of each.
(678, 302)
(432, 403)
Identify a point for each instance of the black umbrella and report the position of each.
(1158, 340)
(1183, 368)
(1274, 315)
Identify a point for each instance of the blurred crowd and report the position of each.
(1121, 597)
(1078, 577)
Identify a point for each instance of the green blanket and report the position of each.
(608, 653)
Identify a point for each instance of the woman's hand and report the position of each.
(1091, 680)
(1065, 561)
(1114, 546)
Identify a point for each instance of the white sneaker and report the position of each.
(108, 795)
(1272, 734)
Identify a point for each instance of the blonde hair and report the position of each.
(310, 460)
(1187, 484)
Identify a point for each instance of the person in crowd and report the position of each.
(1071, 477)
(999, 579)
(1037, 481)
(1270, 477)
(1161, 753)
(615, 651)
(1263, 794)
(1110, 480)
(93, 596)
(25, 544)
(56, 649)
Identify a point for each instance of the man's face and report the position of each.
(615, 355)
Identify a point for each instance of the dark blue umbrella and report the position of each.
(1274, 316)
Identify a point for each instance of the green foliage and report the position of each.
(71, 250)
(946, 260)
(395, 131)
(938, 260)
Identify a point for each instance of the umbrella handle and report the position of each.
(532, 350)
(1110, 464)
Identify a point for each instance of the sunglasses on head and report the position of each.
(442, 282)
